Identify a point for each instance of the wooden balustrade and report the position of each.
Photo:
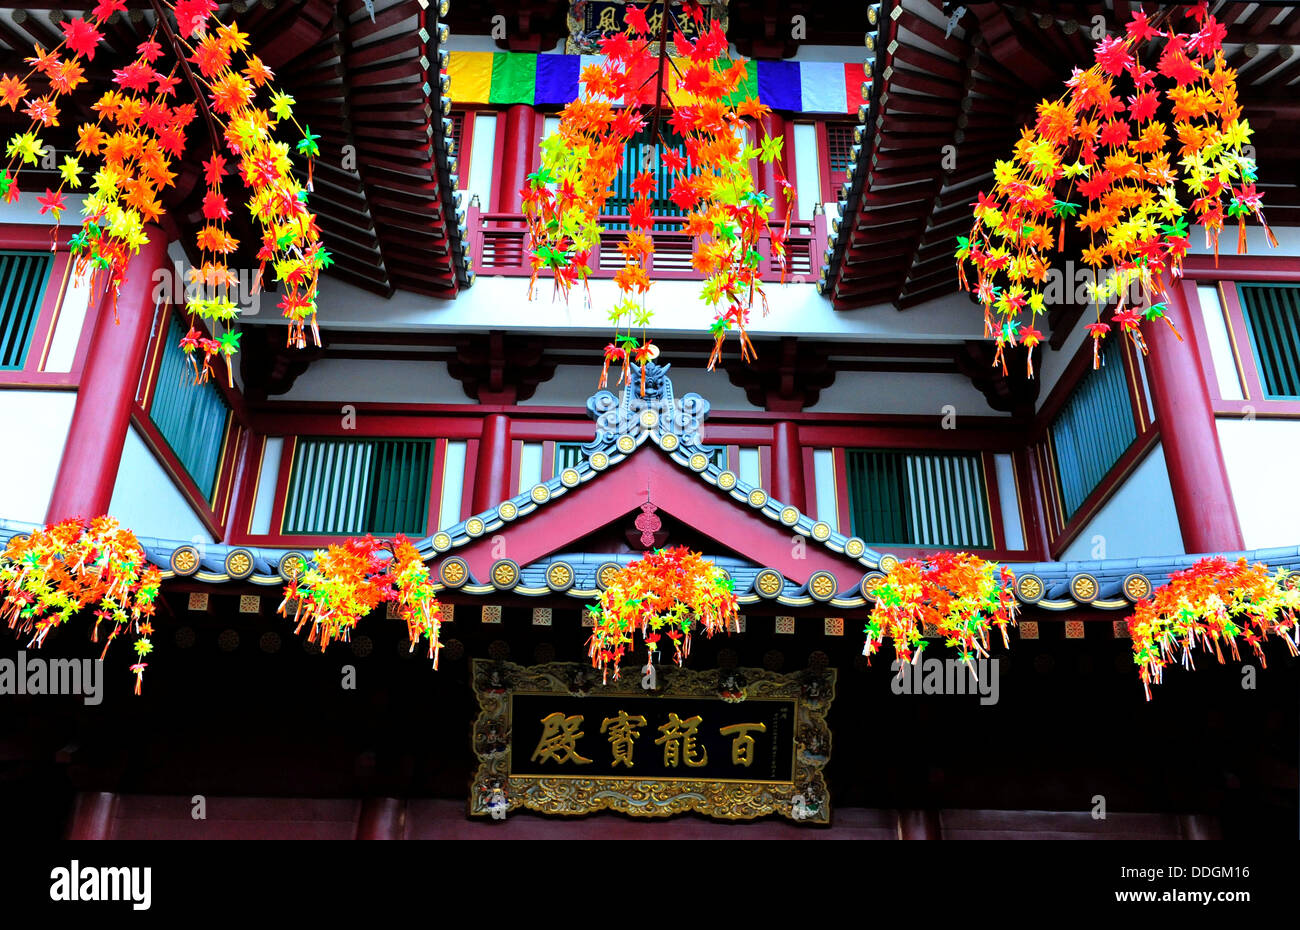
(498, 246)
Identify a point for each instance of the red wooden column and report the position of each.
(517, 141)
(774, 125)
(1199, 827)
(381, 819)
(919, 825)
(92, 816)
(787, 465)
(1202, 495)
(97, 434)
(492, 474)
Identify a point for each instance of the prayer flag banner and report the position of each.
(554, 80)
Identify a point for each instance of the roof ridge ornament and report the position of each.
(634, 412)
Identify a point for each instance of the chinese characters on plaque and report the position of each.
(680, 738)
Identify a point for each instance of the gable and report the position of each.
(647, 448)
(737, 517)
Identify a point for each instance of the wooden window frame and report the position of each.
(992, 501)
(214, 512)
(1225, 275)
(433, 500)
(26, 237)
(830, 183)
(1061, 531)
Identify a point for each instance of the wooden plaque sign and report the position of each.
(592, 20)
(733, 743)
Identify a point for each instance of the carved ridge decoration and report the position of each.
(803, 799)
(628, 413)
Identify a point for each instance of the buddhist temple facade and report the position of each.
(454, 400)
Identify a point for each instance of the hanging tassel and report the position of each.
(1268, 230)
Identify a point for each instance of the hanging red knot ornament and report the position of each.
(648, 523)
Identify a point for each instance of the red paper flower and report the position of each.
(52, 202)
(81, 37)
(635, 18)
(192, 15)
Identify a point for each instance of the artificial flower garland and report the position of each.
(54, 573)
(1113, 149)
(137, 134)
(1213, 602)
(960, 595)
(345, 582)
(668, 591)
(564, 199)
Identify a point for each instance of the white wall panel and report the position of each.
(807, 171)
(1138, 520)
(267, 477)
(1216, 332)
(1260, 456)
(359, 381)
(1013, 530)
(482, 152)
(824, 488)
(146, 500)
(39, 421)
(530, 466)
(453, 483)
(750, 467)
(67, 328)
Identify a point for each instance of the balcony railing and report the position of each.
(498, 246)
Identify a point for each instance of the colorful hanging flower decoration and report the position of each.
(669, 591)
(1105, 141)
(347, 581)
(563, 201)
(960, 595)
(53, 574)
(1212, 603)
(140, 130)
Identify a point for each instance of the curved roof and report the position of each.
(624, 425)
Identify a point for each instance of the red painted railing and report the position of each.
(498, 246)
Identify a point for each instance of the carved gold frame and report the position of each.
(804, 799)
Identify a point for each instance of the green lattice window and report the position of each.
(644, 152)
(1272, 314)
(23, 278)
(193, 418)
(349, 486)
(934, 500)
(839, 143)
(1093, 430)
